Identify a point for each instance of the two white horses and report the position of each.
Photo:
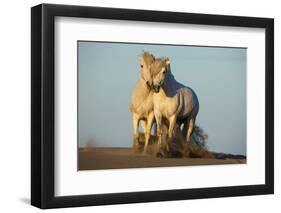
(158, 95)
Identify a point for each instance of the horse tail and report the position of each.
(224, 156)
(198, 147)
(199, 137)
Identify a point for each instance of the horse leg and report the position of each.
(143, 125)
(136, 131)
(158, 118)
(190, 129)
(172, 123)
(150, 119)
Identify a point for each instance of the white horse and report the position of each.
(172, 101)
(141, 104)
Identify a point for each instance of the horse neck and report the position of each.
(168, 83)
(142, 88)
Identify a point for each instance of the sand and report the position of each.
(118, 158)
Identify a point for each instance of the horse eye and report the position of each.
(164, 72)
(141, 66)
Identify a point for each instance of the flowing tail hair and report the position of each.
(199, 137)
(198, 147)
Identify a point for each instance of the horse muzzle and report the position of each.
(156, 88)
(149, 85)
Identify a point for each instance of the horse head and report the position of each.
(159, 70)
(145, 60)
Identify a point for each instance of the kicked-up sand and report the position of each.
(120, 158)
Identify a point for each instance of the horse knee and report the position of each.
(159, 137)
(159, 132)
(147, 137)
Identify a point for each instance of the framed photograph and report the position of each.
(139, 106)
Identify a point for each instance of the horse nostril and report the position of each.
(156, 88)
(148, 84)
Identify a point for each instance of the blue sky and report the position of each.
(107, 73)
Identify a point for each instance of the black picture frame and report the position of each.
(43, 110)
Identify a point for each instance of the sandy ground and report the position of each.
(117, 158)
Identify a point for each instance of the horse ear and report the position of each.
(140, 58)
(168, 61)
(153, 57)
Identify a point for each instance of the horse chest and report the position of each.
(167, 106)
(145, 106)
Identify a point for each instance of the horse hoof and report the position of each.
(137, 149)
(168, 148)
(159, 155)
(144, 153)
(162, 153)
